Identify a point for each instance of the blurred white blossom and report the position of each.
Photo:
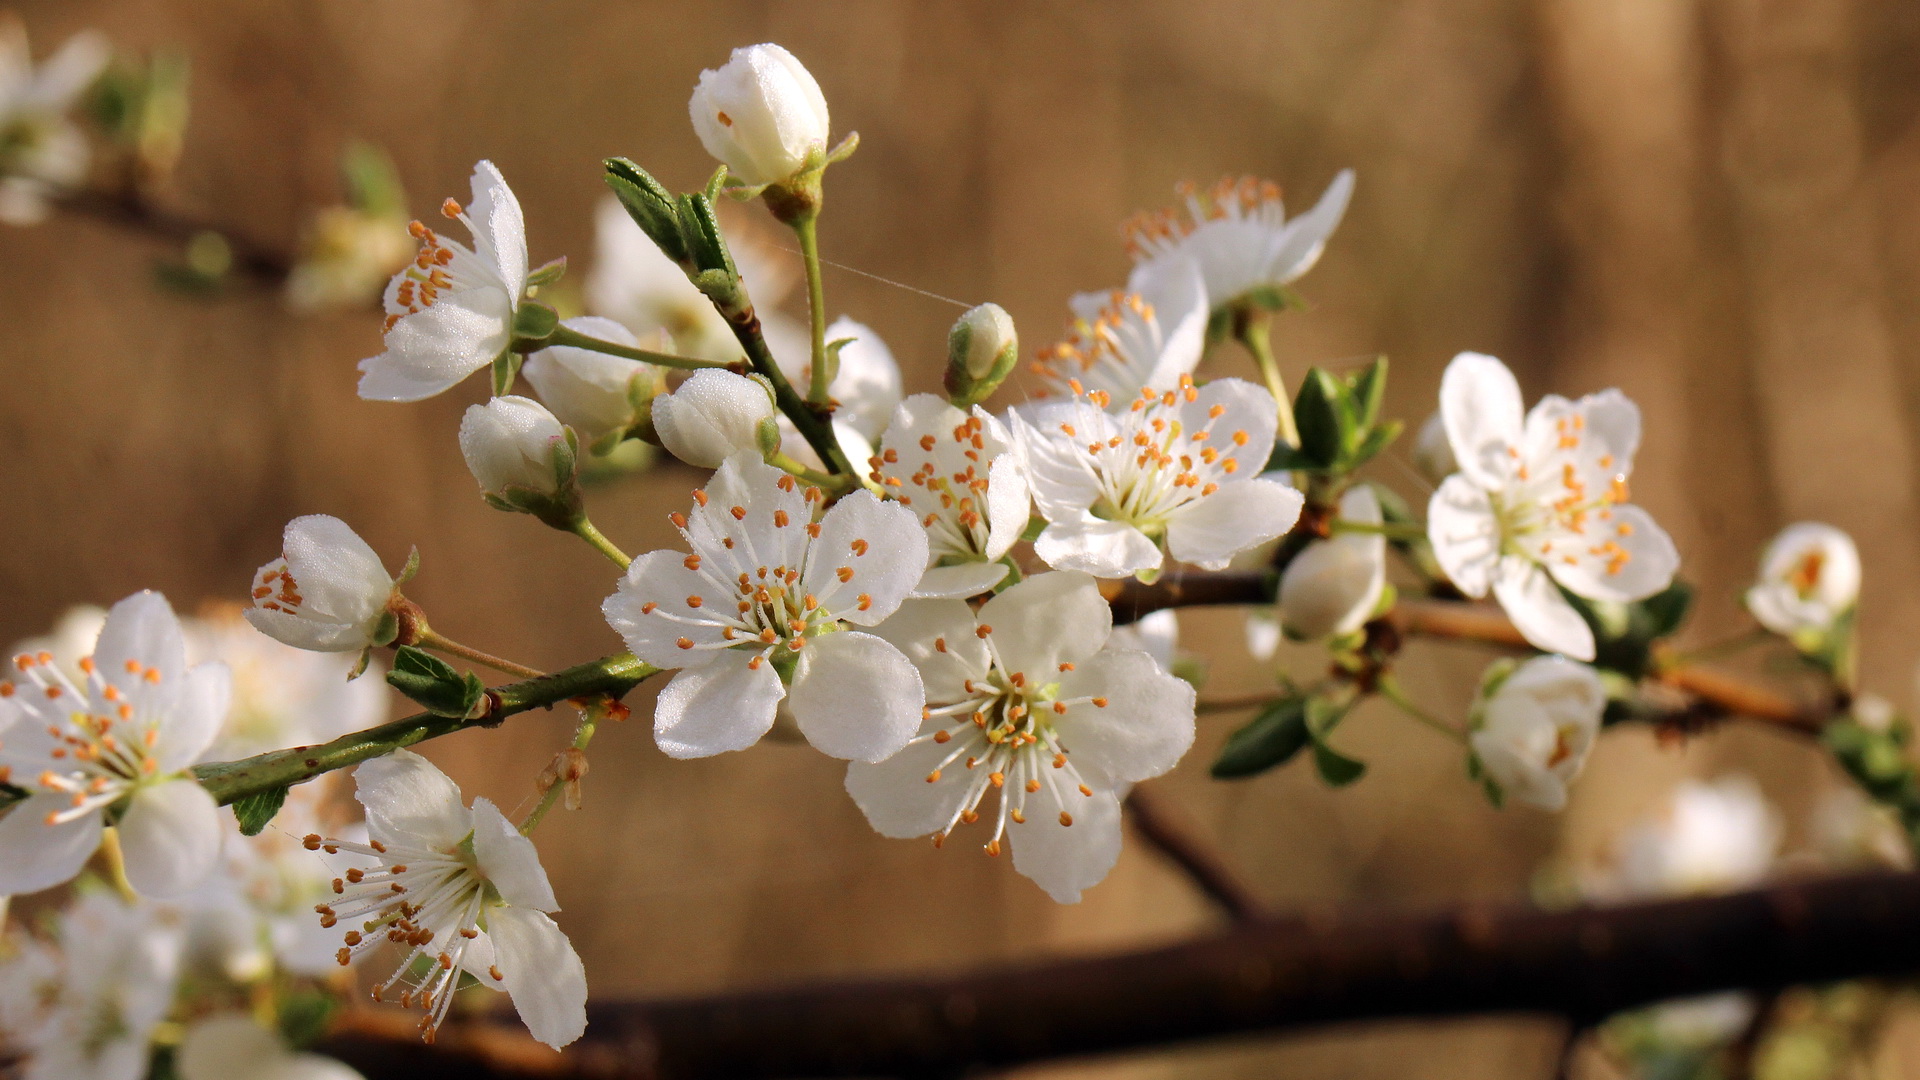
(761, 114)
(592, 392)
(1333, 585)
(1809, 579)
(1238, 233)
(1533, 725)
(42, 152)
(231, 1046)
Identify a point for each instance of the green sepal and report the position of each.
(547, 273)
(1271, 738)
(506, 368)
(408, 571)
(366, 657)
(10, 794)
(833, 357)
(716, 184)
(256, 810)
(650, 205)
(1369, 392)
(533, 325)
(434, 684)
(386, 629)
(1318, 411)
(1373, 442)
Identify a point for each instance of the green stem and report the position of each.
(565, 335)
(226, 781)
(582, 735)
(116, 860)
(1234, 704)
(1715, 650)
(1390, 530)
(805, 228)
(731, 301)
(431, 640)
(810, 475)
(584, 530)
(1250, 329)
(1389, 688)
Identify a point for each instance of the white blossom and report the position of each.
(1432, 453)
(761, 114)
(767, 587)
(41, 150)
(282, 696)
(1238, 233)
(122, 737)
(1177, 468)
(957, 471)
(1716, 837)
(231, 1046)
(1032, 701)
(327, 592)
(1333, 585)
(711, 416)
(1809, 579)
(1540, 503)
(1531, 732)
(450, 312)
(1156, 633)
(589, 391)
(1123, 341)
(512, 442)
(459, 888)
(866, 388)
(118, 965)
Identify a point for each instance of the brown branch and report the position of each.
(1187, 588)
(1263, 977)
(1209, 871)
(256, 260)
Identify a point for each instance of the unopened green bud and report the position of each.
(981, 350)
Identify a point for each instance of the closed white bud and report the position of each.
(1432, 453)
(1809, 578)
(1332, 586)
(761, 114)
(712, 416)
(1533, 728)
(590, 392)
(981, 350)
(514, 442)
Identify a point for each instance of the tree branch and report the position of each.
(259, 261)
(1197, 859)
(1264, 977)
(1188, 588)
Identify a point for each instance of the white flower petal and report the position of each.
(897, 799)
(855, 696)
(1009, 499)
(499, 228)
(340, 574)
(1332, 585)
(1644, 564)
(229, 1046)
(1537, 609)
(587, 390)
(1145, 728)
(1465, 534)
(883, 550)
(195, 718)
(1210, 531)
(1157, 634)
(171, 836)
(711, 416)
(508, 860)
(938, 637)
(1300, 245)
(406, 796)
(960, 581)
(432, 350)
(1244, 430)
(1066, 860)
(721, 706)
(143, 630)
(542, 973)
(1046, 620)
(307, 633)
(35, 855)
(1108, 549)
(1480, 402)
(661, 581)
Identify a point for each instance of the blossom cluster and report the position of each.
(915, 584)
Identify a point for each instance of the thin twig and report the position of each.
(1209, 871)
(1260, 977)
(266, 264)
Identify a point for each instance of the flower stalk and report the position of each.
(428, 639)
(1251, 331)
(585, 530)
(567, 336)
(806, 230)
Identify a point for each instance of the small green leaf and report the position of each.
(304, 1017)
(706, 246)
(1317, 411)
(256, 810)
(1663, 612)
(547, 273)
(1269, 739)
(434, 684)
(1369, 390)
(1337, 769)
(1377, 440)
(650, 205)
(534, 322)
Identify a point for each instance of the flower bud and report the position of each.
(981, 350)
(591, 392)
(327, 592)
(761, 114)
(1432, 453)
(1809, 578)
(516, 449)
(711, 416)
(1332, 586)
(1533, 726)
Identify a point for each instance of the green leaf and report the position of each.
(254, 811)
(1662, 613)
(1369, 390)
(304, 1017)
(1317, 411)
(1377, 440)
(547, 273)
(650, 205)
(1337, 769)
(373, 184)
(434, 684)
(1271, 738)
(706, 246)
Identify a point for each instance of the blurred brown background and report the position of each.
(1709, 203)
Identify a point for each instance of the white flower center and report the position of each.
(1548, 511)
(957, 530)
(1153, 467)
(441, 266)
(416, 897)
(102, 749)
(1004, 735)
